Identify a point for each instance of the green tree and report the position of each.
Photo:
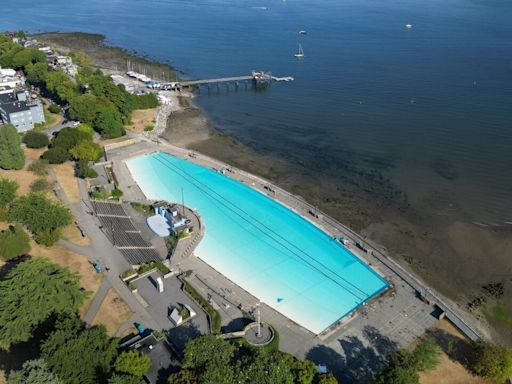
(395, 374)
(56, 155)
(133, 362)
(34, 139)
(126, 379)
(265, 368)
(86, 150)
(87, 129)
(11, 154)
(37, 73)
(326, 378)
(33, 372)
(426, 355)
(14, 242)
(31, 292)
(8, 190)
(39, 214)
(83, 171)
(58, 83)
(68, 138)
(493, 361)
(84, 108)
(28, 56)
(109, 123)
(79, 354)
(184, 376)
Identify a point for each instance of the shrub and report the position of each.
(149, 127)
(8, 190)
(40, 185)
(116, 193)
(39, 167)
(54, 108)
(48, 237)
(56, 155)
(14, 242)
(41, 216)
(83, 171)
(34, 139)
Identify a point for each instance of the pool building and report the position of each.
(262, 246)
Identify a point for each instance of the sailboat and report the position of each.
(300, 54)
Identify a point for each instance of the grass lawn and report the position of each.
(65, 174)
(141, 118)
(113, 312)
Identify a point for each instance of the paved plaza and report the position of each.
(172, 296)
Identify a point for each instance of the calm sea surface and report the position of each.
(439, 93)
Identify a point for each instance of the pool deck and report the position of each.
(388, 322)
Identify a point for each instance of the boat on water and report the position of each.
(300, 54)
(408, 26)
(303, 33)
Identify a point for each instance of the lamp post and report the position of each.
(259, 320)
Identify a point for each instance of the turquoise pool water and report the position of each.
(265, 248)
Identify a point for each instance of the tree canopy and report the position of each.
(209, 359)
(84, 108)
(86, 150)
(11, 154)
(31, 292)
(33, 372)
(109, 122)
(493, 361)
(133, 362)
(73, 342)
(40, 215)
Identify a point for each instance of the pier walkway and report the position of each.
(215, 81)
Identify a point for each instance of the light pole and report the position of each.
(259, 320)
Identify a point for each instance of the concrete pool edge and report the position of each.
(327, 327)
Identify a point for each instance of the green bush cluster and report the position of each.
(39, 167)
(40, 185)
(41, 216)
(34, 139)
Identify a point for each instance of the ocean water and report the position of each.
(429, 107)
(263, 247)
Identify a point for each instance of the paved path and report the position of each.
(96, 302)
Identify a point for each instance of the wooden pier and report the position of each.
(257, 77)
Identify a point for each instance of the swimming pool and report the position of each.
(262, 246)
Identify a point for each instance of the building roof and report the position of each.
(10, 104)
(159, 225)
